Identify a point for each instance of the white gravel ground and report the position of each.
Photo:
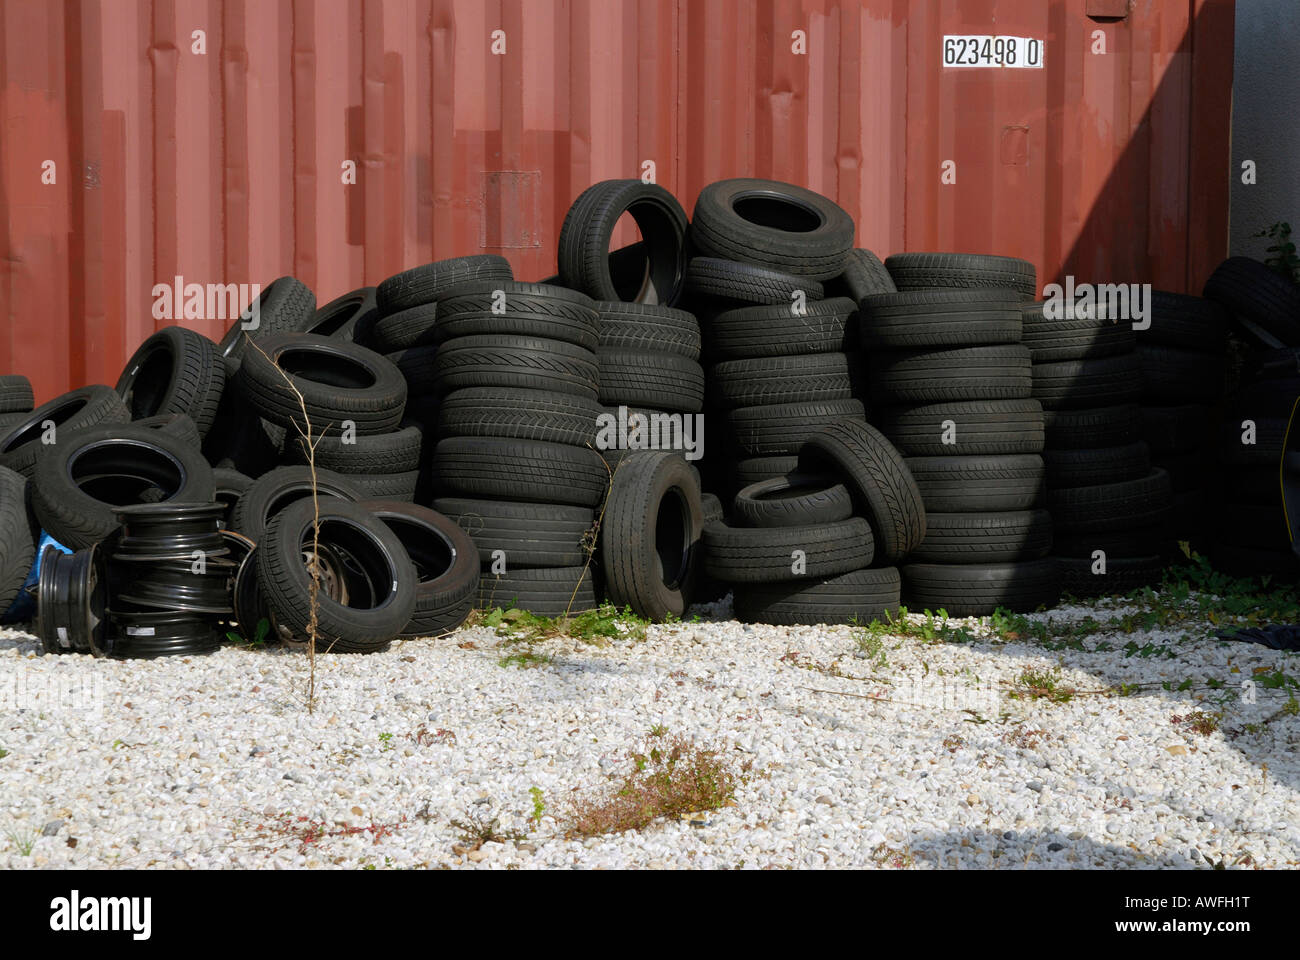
(924, 761)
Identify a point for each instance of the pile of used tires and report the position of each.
(909, 431)
(1246, 531)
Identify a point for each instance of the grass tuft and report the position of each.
(670, 776)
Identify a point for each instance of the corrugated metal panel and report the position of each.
(225, 166)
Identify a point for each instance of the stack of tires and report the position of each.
(821, 544)
(651, 381)
(1250, 535)
(951, 386)
(1109, 505)
(1182, 354)
(518, 381)
(782, 358)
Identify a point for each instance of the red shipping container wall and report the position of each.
(207, 138)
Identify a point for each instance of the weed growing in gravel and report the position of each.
(306, 832)
(1198, 721)
(526, 660)
(477, 829)
(887, 856)
(1042, 685)
(3, 753)
(23, 841)
(670, 776)
(935, 628)
(597, 626)
(539, 805)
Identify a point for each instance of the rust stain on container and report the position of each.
(227, 165)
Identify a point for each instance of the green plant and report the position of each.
(23, 840)
(3, 753)
(385, 741)
(539, 805)
(670, 777)
(1042, 685)
(1198, 721)
(526, 660)
(259, 634)
(1282, 259)
(476, 829)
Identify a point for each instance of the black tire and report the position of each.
(965, 373)
(177, 424)
(650, 535)
(399, 487)
(768, 381)
(940, 318)
(978, 484)
(75, 410)
(1260, 295)
(377, 453)
(795, 500)
(864, 275)
(1171, 376)
(405, 329)
(230, 486)
(517, 363)
(1252, 525)
(518, 414)
(1089, 468)
(277, 489)
(985, 537)
(1093, 427)
(338, 382)
(774, 225)
(1111, 506)
(446, 564)
(777, 429)
(878, 479)
(543, 591)
(857, 597)
(286, 305)
(768, 554)
(1188, 323)
(1177, 429)
(752, 470)
(1123, 575)
(349, 317)
(727, 282)
(530, 470)
(1254, 484)
(419, 368)
(583, 254)
(1080, 338)
(432, 282)
(1129, 542)
(81, 479)
(527, 534)
(1109, 381)
(16, 394)
(963, 271)
(975, 590)
(384, 583)
(643, 326)
(980, 427)
(174, 371)
(18, 536)
(826, 326)
(530, 310)
(659, 381)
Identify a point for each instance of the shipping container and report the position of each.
(145, 140)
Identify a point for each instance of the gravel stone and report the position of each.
(178, 762)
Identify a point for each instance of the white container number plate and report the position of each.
(986, 51)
